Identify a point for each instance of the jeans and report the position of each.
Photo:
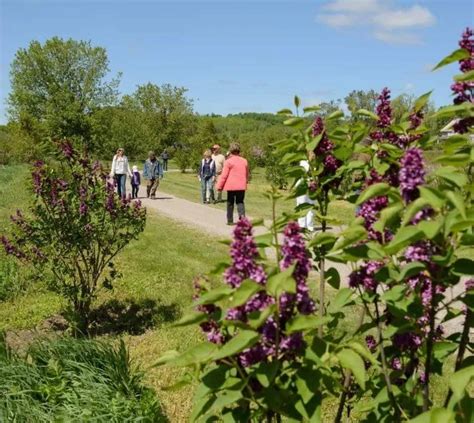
(207, 189)
(151, 187)
(235, 197)
(135, 191)
(120, 180)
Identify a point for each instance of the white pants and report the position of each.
(306, 221)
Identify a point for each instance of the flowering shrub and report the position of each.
(268, 355)
(76, 227)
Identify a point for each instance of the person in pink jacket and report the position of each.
(234, 179)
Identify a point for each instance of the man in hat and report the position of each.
(219, 160)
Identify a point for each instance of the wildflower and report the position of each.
(396, 364)
(384, 109)
(365, 276)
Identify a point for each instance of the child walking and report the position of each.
(135, 181)
(207, 174)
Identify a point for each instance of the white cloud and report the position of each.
(415, 16)
(385, 20)
(391, 37)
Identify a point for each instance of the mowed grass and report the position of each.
(157, 277)
(258, 206)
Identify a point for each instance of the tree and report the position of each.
(360, 99)
(58, 85)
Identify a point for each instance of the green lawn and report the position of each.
(186, 185)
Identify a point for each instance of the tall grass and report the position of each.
(74, 380)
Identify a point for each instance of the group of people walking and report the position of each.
(152, 173)
(216, 173)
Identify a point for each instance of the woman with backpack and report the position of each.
(207, 175)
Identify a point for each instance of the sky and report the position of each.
(243, 56)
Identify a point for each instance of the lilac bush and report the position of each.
(75, 228)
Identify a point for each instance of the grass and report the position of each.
(55, 380)
(155, 287)
(186, 185)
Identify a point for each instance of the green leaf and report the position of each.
(332, 277)
(441, 350)
(463, 109)
(225, 398)
(457, 200)
(284, 112)
(458, 160)
(295, 121)
(314, 142)
(435, 415)
(256, 318)
(394, 294)
(201, 406)
(167, 357)
(364, 352)
(190, 319)
(373, 191)
(462, 77)
(463, 266)
(431, 228)
(264, 240)
(323, 238)
(311, 109)
(214, 295)
(414, 207)
(200, 353)
(244, 339)
(422, 101)
(243, 293)
(216, 377)
(459, 381)
(282, 282)
(410, 270)
(452, 175)
(335, 115)
(351, 235)
(455, 56)
(352, 361)
(363, 112)
(266, 372)
(342, 298)
(405, 236)
(387, 215)
(434, 197)
(302, 323)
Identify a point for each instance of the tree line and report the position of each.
(63, 89)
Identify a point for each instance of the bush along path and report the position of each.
(273, 353)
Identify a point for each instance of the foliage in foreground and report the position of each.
(77, 227)
(268, 356)
(74, 380)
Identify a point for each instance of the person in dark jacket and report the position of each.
(135, 181)
(207, 175)
(152, 172)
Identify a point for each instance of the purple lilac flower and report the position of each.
(67, 149)
(244, 253)
(294, 251)
(331, 164)
(469, 284)
(252, 355)
(396, 363)
(384, 109)
(371, 343)
(467, 43)
(83, 209)
(312, 186)
(420, 251)
(292, 343)
(412, 174)
(408, 341)
(370, 211)
(416, 119)
(11, 249)
(38, 175)
(365, 276)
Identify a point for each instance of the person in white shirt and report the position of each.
(219, 160)
(120, 170)
(306, 221)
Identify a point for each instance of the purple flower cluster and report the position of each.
(416, 119)
(463, 91)
(370, 211)
(408, 341)
(11, 249)
(371, 343)
(294, 251)
(384, 109)
(324, 148)
(365, 276)
(411, 174)
(67, 149)
(244, 253)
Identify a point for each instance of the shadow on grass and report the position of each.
(130, 316)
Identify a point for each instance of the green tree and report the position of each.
(360, 99)
(57, 86)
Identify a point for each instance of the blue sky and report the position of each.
(237, 56)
